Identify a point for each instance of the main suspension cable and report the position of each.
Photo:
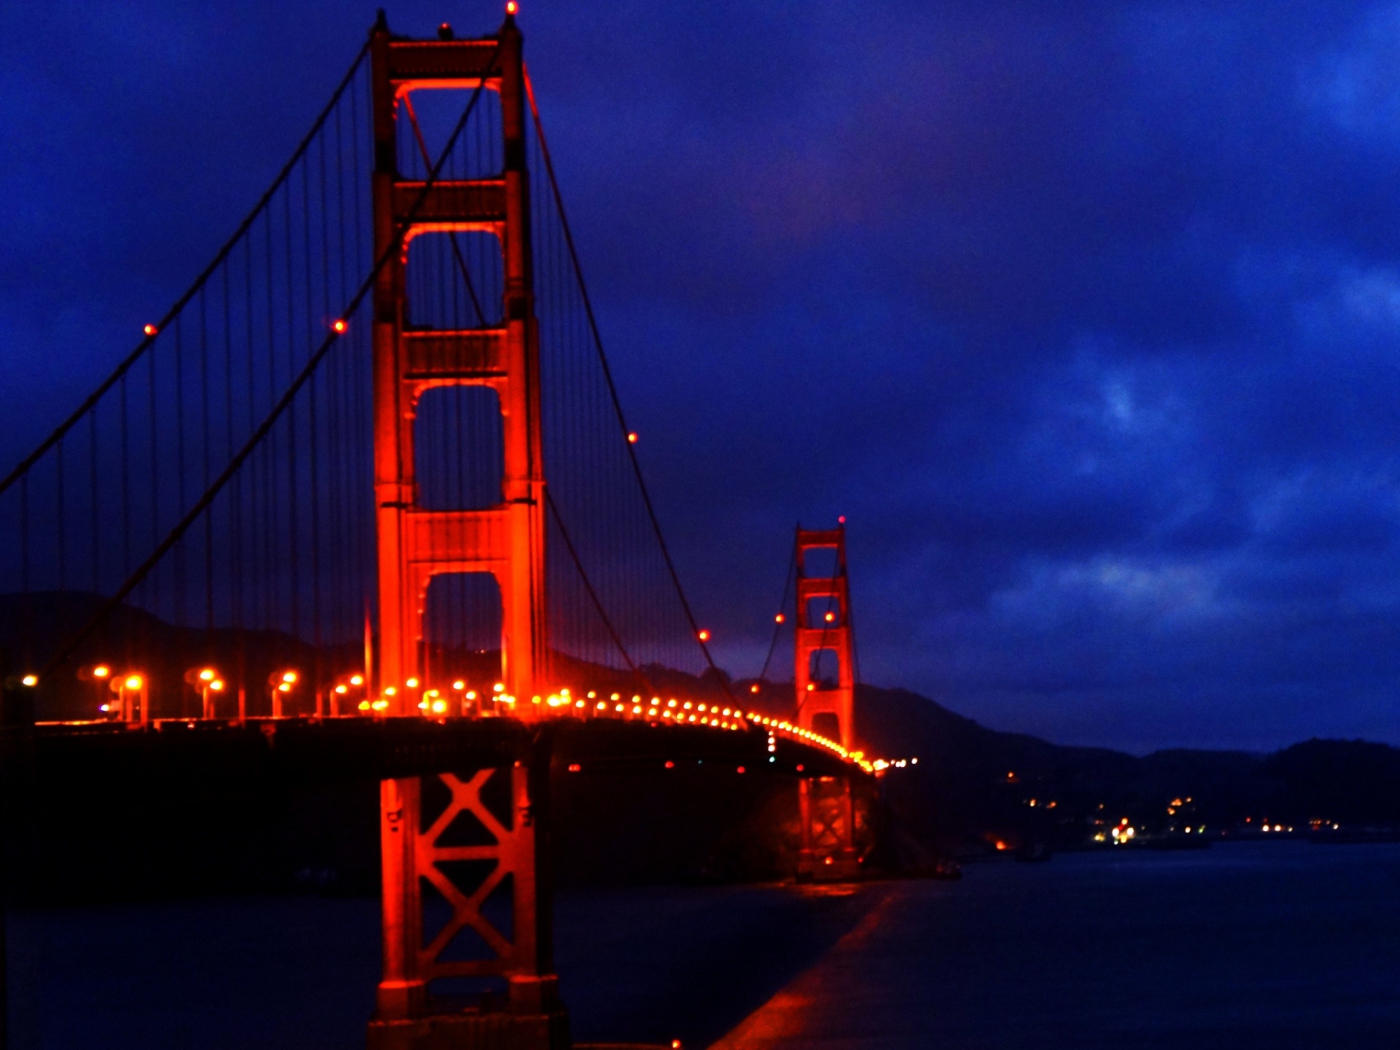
(265, 427)
(193, 290)
(782, 608)
(612, 389)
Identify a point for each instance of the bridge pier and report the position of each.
(828, 851)
(467, 853)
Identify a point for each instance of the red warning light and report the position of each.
(704, 635)
(841, 520)
(632, 438)
(670, 764)
(338, 326)
(779, 618)
(511, 7)
(753, 688)
(150, 329)
(574, 767)
(741, 769)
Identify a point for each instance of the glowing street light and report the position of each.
(341, 691)
(206, 681)
(280, 685)
(131, 688)
(98, 675)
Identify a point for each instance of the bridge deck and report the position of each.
(343, 748)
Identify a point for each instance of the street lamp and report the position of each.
(279, 684)
(207, 682)
(341, 691)
(131, 688)
(99, 675)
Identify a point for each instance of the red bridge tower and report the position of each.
(422, 845)
(824, 630)
(506, 540)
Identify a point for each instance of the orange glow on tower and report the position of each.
(417, 543)
(828, 812)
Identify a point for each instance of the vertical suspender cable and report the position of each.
(612, 390)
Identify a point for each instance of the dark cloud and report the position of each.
(1087, 318)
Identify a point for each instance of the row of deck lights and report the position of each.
(592, 704)
(209, 683)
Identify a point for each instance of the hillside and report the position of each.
(973, 783)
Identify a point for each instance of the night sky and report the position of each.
(1088, 321)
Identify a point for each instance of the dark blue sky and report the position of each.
(1087, 321)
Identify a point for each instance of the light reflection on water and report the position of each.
(1279, 945)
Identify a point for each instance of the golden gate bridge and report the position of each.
(365, 499)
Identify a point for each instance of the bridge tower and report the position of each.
(824, 629)
(424, 847)
(508, 539)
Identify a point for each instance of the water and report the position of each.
(1247, 945)
(1278, 945)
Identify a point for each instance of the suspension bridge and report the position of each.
(365, 499)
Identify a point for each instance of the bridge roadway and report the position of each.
(382, 748)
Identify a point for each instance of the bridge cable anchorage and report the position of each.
(152, 331)
(612, 388)
(289, 395)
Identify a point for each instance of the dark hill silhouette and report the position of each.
(972, 786)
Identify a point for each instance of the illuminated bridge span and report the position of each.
(365, 497)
